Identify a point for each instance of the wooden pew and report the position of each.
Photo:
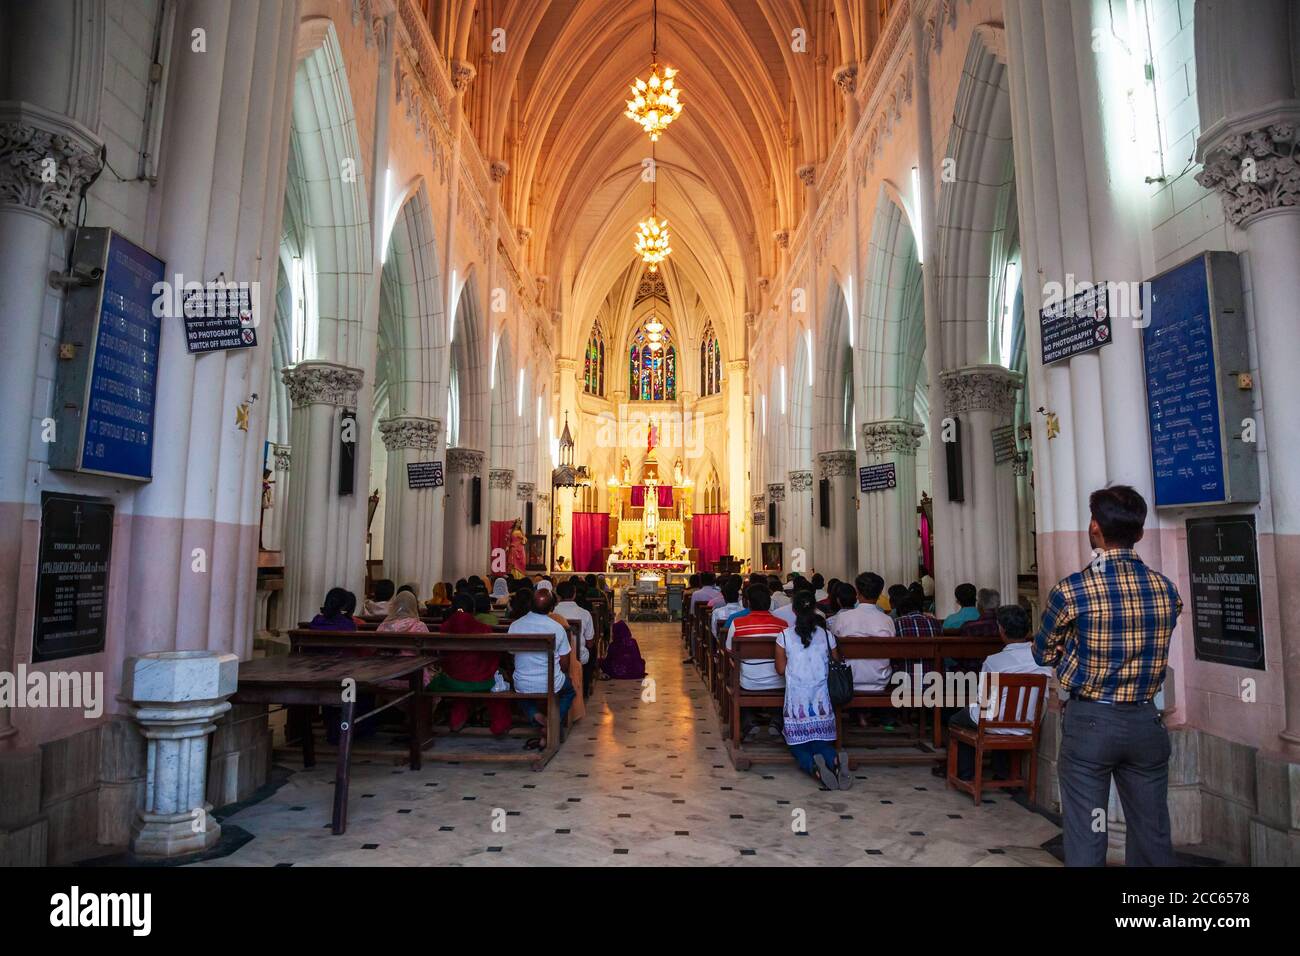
(434, 644)
(750, 649)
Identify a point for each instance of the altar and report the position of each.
(650, 519)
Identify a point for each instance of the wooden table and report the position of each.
(311, 680)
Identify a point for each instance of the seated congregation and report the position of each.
(790, 661)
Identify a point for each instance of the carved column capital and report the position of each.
(776, 492)
(525, 490)
(322, 383)
(800, 480)
(46, 160)
(892, 436)
(501, 478)
(566, 364)
(464, 461)
(979, 388)
(283, 456)
(737, 366)
(807, 174)
(462, 74)
(836, 464)
(782, 238)
(498, 170)
(1255, 171)
(846, 78)
(410, 432)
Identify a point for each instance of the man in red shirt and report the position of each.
(470, 670)
(758, 621)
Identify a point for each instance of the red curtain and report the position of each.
(711, 534)
(665, 496)
(501, 534)
(927, 546)
(590, 535)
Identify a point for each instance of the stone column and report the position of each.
(502, 505)
(31, 210)
(777, 531)
(324, 541)
(801, 555)
(981, 529)
(273, 522)
(887, 521)
(462, 556)
(412, 516)
(177, 696)
(758, 513)
(1250, 115)
(737, 454)
(837, 546)
(524, 493)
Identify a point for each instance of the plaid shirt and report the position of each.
(1106, 629)
(917, 625)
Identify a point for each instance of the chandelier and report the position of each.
(654, 102)
(652, 234)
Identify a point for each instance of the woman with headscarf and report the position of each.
(403, 615)
(623, 660)
(500, 592)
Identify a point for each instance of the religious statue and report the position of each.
(627, 471)
(650, 518)
(678, 476)
(652, 436)
(517, 551)
(268, 501)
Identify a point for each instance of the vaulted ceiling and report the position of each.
(756, 108)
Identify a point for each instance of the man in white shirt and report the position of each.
(707, 590)
(865, 619)
(730, 602)
(1016, 657)
(779, 597)
(530, 666)
(569, 609)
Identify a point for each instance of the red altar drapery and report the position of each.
(927, 546)
(711, 535)
(501, 536)
(590, 535)
(665, 496)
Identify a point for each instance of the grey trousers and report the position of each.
(1128, 741)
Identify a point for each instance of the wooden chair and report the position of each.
(1023, 701)
(754, 648)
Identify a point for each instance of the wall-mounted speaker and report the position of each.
(952, 452)
(476, 500)
(347, 451)
(824, 502)
(772, 530)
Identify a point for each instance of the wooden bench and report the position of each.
(432, 645)
(1021, 691)
(302, 681)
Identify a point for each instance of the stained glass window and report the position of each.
(652, 373)
(593, 382)
(710, 363)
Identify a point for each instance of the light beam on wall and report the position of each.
(808, 343)
(451, 310)
(389, 218)
(539, 416)
(764, 403)
(1010, 283)
(848, 299)
(916, 212)
(519, 396)
(782, 389)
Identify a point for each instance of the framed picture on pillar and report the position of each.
(536, 552)
(773, 555)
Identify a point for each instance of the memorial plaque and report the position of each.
(424, 474)
(877, 477)
(72, 577)
(1076, 324)
(1223, 564)
(1004, 444)
(1192, 349)
(105, 390)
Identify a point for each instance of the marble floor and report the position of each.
(638, 782)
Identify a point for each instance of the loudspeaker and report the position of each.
(824, 501)
(476, 500)
(771, 519)
(952, 451)
(528, 517)
(347, 452)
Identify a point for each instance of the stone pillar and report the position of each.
(30, 212)
(524, 493)
(177, 696)
(887, 521)
(758, 512)
(324, 542)
(1250, 114)
(502, 503)
(737, 436)
(981, 529)
(412, 516)
(837, 546)
(462, 556)
(274, 518)
(777, 531)
(801, 555)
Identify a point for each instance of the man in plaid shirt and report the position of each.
(1106, 631)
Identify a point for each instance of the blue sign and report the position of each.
(1178, 350)
(118, 419)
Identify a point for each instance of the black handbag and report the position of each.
(839, 680)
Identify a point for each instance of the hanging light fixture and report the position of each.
(652, 243)
(654, 102)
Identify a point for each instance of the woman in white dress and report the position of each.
(802, 655)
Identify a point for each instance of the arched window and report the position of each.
(652, 365)
(713, 493)
(593, 382)
(710, 363)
